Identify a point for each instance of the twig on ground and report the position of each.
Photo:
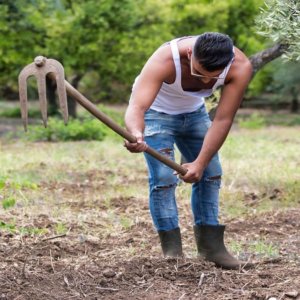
(24, 266)
(89, 274)
(149, 287)
(54, 237)
(51, 261)
(181, 297)
(270, 261)
(191, 265)
(201, 279)
(106, 289)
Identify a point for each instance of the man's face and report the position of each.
(198, 71)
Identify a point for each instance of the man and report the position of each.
(166, 108)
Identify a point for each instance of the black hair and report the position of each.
(213, 50)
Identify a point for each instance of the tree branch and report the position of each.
(260, 59)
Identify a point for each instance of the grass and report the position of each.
(259, 119)
(260, 161)
(261, 248)
(260, 165)
(265, 162)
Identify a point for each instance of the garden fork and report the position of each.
(40, 68)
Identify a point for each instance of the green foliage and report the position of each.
(286, 82)
(194, 17)
(264, 249)
(22, 184)
(11, 227)
(85, 127)
(262, 81)
(60, 228)
(255, 121)
(241, 26)
(8, 202)
(107, 42)
(2, 182)
(15, 112)
(280, 21)
(75, 130)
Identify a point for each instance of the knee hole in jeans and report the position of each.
(167, 151)
(164, 187)
(214, 180)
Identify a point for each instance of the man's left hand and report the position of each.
(194, 173)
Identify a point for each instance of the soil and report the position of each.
(77, 266)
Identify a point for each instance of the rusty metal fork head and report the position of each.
(40, 68)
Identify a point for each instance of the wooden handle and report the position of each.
(88, 105)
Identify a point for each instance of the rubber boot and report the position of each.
(210, 244)
(171, 242)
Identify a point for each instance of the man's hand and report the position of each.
(139, 146)
(194, 173)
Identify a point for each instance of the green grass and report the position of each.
(263, 248)
(263, 164)
(8, 202)
(260, 248)
(12, 228)
(15, 112)
(263, 161)
(60, 228)
(259, 119)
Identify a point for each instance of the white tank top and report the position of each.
(173, 100)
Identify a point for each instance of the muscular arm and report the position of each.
(155, 71)
(231, 98)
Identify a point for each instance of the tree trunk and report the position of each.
(295, 102)
(260, 59)
(72, 104)
(53, 106)
(50, 90)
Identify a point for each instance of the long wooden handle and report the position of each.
(88, 105)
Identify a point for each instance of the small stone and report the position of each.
(109, 273)
(292, 294)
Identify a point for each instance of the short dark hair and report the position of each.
(213, 50)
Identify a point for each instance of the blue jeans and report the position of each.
(187, 131)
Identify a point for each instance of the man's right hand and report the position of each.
(139, 146)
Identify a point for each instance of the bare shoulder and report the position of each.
(160, 64)
(241, 67)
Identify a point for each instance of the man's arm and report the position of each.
(231, 97)
(155, 71)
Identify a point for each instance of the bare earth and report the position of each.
(127, 264)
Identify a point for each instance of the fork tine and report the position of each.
(62, 96)
(23, 96)
(41, 84)
(61, 87)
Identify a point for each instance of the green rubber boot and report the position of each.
(171, 243)
(210, 245)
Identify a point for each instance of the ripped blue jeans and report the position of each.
(187, 131)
